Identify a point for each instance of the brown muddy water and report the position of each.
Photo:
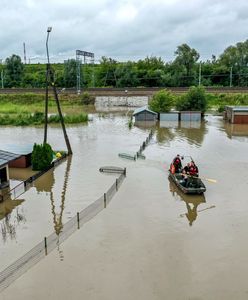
(161, 243)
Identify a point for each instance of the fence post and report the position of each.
(45, 241)
(78, 221)
(105, 200)
(125, 172)
(116, 184)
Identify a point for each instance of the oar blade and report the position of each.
(211, 180)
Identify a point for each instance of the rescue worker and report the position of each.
(177, 163)
(193, 169)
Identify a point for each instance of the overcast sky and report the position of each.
(121, 29)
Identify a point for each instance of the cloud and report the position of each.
(121, 29)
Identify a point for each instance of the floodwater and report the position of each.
(152, 241)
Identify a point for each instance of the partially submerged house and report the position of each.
(236, 114)
(144, 114)
(13, 157)
(5, 158)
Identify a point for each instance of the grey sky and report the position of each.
(121, 29)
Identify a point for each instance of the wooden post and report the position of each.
(116, 184)
(125, 172)
(78, 221)
(45, 241)
(105, 200)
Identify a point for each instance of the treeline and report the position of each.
(229, 69)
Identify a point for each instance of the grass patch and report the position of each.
(38, 119)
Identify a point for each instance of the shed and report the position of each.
(191, 116)
(144, 114)
(170, 116)
(5, 158)
(24, 153)
(236, 114)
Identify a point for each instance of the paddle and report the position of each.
(208, 179)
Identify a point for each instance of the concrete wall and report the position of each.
(134, 101)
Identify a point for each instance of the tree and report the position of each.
(162, 101)
(126, 75)
(236, 57)
(107, 72)
(70, 73)
(14, 71)
(186, 60)
(195, 99)
(42, 156)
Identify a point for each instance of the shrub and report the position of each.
(162, 101)
(87, 99)
(42, 157)
(195, 99)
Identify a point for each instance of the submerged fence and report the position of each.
(22, 187)
(15, 270)
(138, 154)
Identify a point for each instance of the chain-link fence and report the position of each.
(49, 243)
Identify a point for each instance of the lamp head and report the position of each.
(49, 29)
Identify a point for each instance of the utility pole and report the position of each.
(24, 51)
(231, 74)
(50, 81)
(199, 80)
(2, 79)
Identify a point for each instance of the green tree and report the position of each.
(236, 57)
(107, 72)
(70, 73)
(126, 75)
(185, 62)
(42, 156)
(14, 71)
(162, 101)
(194, 100)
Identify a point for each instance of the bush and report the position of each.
(195, 99)
(87, 99)
(42, 157)
(162, 101)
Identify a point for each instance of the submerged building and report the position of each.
(236, 114)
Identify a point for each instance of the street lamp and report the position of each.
(49, 29)
(50, 81)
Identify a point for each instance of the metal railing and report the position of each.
(49, 243)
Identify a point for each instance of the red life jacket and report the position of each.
(172, 169)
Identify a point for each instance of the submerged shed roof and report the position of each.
(18, 149)
(6, 157)
(143, 108)
(238, 108)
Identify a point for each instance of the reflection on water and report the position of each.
(236, 131)
(57, 216)
(192, 132)
(10, 220)
(145, 124)
(192, 202)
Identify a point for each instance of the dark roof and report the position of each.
(6, 157)
(141, 109)
(18, 148)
